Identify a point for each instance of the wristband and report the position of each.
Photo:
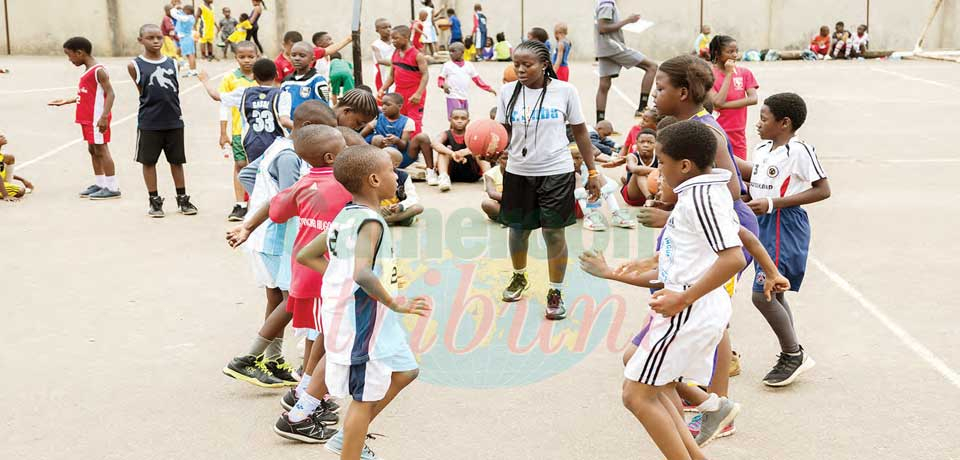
(769, 205)
(592, 173)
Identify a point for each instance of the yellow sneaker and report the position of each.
(735, 364)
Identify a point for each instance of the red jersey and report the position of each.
(319, 53)
(284, 67)
(90, 97)
(406, 72)
(316, 199)
(417, 40)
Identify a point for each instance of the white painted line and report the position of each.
(113, 124)
(620, 93)
(913, 344)
(911, 77)
(57, 88)
(890, 161)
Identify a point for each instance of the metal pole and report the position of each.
(701, 16)
(357, 54)
(868, 14)
(523, 26)
(413, 10)
(6, 23)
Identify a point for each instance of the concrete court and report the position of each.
(117, 325)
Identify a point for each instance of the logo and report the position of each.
(761, 277)
(772, 172)
(305, 92)
(263, 96)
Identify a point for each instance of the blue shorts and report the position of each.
(785, 235)
(187, 46)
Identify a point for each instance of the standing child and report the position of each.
(402, 209)
(456, 30)
(394, 131)
(240, 33)
(455, 162)
(170, 48)
(382, 50)
(480, 35)
(246, 54)
(561, 52)
(207, 26)
(493, 186)
(820, 43)
(323, 48)
(416, 28)
(613, 55)
(226, 26)
(159, 119)
(411, 74)
(701, 46)
(470, 50)
(304, 84)
(94, 101)
(188, 47)
(786, 175)
(360, 282)
(734, 89)
(455, 78)
(341, 76)
(284, 66)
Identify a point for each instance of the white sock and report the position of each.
(520, 271)
(712, 404)
(112, 183)
(612, 202)
(305, 406)
(557, 286)
(100, 180)
(302, 386)
(242, 204)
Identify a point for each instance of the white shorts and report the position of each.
(682, 347)
(368, 381)
(265, 269)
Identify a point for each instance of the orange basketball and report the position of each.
(653, 181)
(509, 74)
(485, 137)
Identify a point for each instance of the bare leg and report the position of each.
(277, 320)
(316, 352)
(519, 243)
(238, 191)
(443, 164)
(720, 384)
(420, 144)
(355, 428)
(667, 398)
(491, 208)
(602, 90)
(649, 75)
(644, 402)
(102, 153)
(150, 177)
(308, 351)
(177, 172)
(556, 240)
(94, 161)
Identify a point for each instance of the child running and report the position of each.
(734, 89)
(94, 101)
(159, 120)
(455, 78)
(455, 162)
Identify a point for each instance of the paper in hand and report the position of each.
(638, 27)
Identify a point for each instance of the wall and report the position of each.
(784, 24)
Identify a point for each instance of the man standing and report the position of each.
(613, 54)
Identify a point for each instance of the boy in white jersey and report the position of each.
(786, 174)
(368, 357)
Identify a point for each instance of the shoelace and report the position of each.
(783, 362)
(517, 281)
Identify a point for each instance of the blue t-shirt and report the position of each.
(306, 87)
(455, 33)
(566, 53)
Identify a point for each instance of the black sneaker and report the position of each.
(330, 405)
(237, 214)
(788, 368)
(156, 207)
(325, 416)
(555, 309)
(186, 207)
(251, 369)
(281, 370)
(309, 430)
(518, 284)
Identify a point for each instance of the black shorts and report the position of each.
(465, 172)
(151, 143)
(531, 202)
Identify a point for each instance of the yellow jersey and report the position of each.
(470, 54)
(232, 81)
(240, 34)
(12, 189)
(209, 24)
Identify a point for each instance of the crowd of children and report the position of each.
(842, 44)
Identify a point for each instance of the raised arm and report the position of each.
(607, 26)
(338, 45)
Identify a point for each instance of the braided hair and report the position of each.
(360, 101)
(540, 50)
(716, 46)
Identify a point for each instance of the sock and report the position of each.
(274, 349)
(600, 115)
(644, 97)
(302, 386)
(305, 406)
(260, 345)
(798, 353)
(611, 202)
(583, 207)
(112, 183)
(557, 286)
(242, 204)
(181, 191)
(153, 194)
(712, 404)
(100, 180)
(520, 271)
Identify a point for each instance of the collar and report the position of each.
(718, 176)
(239, 74)
(310, 74)
(322, 171)
(786, 146)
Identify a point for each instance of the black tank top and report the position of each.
(159, 94)
(452, 143)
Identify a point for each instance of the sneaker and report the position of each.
(555, 309)
(712, 422)
(237, 214)
(282, 371)
(432, 177)
(289, 400)
(788, 368)
(621, 218)
(156, 207)
(335, 446)
(309, 430)
(329, 404)
(594, 222)
(324, 415)
(735, 368)
(687, 407)
(251, 369)
(518, 284)
(89, 191)
(444, 182)
(104, 194)
(186, 207)
(695, 423)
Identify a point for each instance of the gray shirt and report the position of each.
(611, 43)
(285, 170)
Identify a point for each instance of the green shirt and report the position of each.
(501, 50)
(339, 66)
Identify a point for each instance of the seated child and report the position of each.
(401, 210)
(820, 44)
(486, 53)
(10, 191)
(455, 162)
(648, 119)
(841, 42)
(859, 42)
(394, 131)
(640, 164)
(470, 50)
(592, 219)
(502, 50)
(493, 185)
(600, 138)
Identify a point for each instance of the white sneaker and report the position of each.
(622, 219)
(432, 177)
(594, 222)
(444, 182)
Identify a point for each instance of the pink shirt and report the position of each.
(316, 198)
(734, 119)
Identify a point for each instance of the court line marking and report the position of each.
(57, 88)
(913, 78)
(913, 344)
(113, 124)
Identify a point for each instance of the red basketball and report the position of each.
(509, 74)
(653, 181)
(485, 137)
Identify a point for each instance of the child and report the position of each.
(860, 42)
(374, 368)
(417, 30)
(480, 36)
(701, 46)
(245, 53)
(394, 131)
(841, 42)
(455, 162)
(486, 53)
(159, 120)
(820, 44)
(648, 120)
(411, 74)
(304, 84)
(284, 66)
(592, 219)
(470, 50)
(493, 185)
(324, 47)
(170, 48)
(403, 208)
(456, 31)
(561, 53)
(240, 33)
(9, 191)
(614, 55)
(341, 76)
(734, 89)
(455, 78)
(94, 101)
(227, 26)
(502, 50)
(600, 138)
(786, 175)
(640, 164)
(188, 47)
(382, 51)
(540, 34)
(207, 26)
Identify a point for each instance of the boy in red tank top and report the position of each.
(410, 73)
(94, 102)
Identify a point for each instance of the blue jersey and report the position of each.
(261, 116)
(307, 87)
(566, 53)
(456, 34)
(385, 127)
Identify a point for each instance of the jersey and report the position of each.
(269, 237)
(261, 116)
(787, 170)
(307, 87)
(360, 327)
(90, 96)
(406, 74)
(458, 77)
(706, 118)
(385, 127)
(564, 60)
(159, 86)
(231, 82)
(653, 163)
(208, 24)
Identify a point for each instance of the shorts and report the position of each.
(609, 66)
(563, 73)
(531, 202)
(738, 140)
(625, 194)
(748, 220)
(208, 35)
(465, 172)
(151, 143)
(367, 381)
(92, 135)
(13, 189)
(187, 46)
(236, 143)
(785, 235)
(413, 112)
(306, 312)
(454, 104)
(266, 268)
(340, 83)
(682, 347)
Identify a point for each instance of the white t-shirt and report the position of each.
(382, 50)
(547, 146)
(458, 78)
(787, 170)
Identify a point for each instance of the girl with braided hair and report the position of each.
(539, 182)
(356, 108)
(734, 89)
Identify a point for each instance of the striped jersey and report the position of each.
(356, 327)
(90, 96)
(306, 87)
(702, 224)
(785, 170)
(268, 238)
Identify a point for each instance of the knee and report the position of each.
(760, 301)
(554, 236)
(9, 160)
(409, 376)
(605, 83)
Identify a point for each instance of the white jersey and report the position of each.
(382, 50)
(269, 237)
(702, 224)
(458, 78)
(787, 170)
(356, 327)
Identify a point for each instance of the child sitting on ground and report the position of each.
(592, 219)
(401, 210)
(600, 138)
(394, 131)
(502, 50)
(493, 185)
(820, 44)
(455, 162)
(640, 164)
(10, 191)
(841, 42)
(859, 42)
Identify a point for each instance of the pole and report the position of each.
(413, 11)
(523, 26)
(868, 15)
(6, 23)
(357, 53)
(701, 16)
